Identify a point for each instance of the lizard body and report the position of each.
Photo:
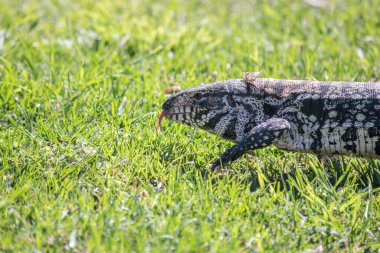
(324, 118)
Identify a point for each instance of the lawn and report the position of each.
(83, 168)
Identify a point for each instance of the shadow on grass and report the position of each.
(356, 173)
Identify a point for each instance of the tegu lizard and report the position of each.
(324, 118)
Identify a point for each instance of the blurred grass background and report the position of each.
(82, 167)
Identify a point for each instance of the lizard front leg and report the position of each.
(262, 135)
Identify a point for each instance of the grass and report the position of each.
(82, 167)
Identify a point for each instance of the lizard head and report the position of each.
(212, 107)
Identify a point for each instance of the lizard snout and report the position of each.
(167, 105)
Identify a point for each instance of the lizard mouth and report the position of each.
(178, 114)
(179, 117)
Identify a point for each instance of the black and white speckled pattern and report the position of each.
(325, 118)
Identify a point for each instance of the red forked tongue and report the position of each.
(162, 115)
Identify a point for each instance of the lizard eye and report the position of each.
(231, 101)
(197, 96)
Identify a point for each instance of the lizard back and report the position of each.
(328, 117)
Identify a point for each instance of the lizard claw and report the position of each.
(216, 169)
(229, 155)
(215, 165)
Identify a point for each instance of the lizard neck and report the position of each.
(271, 94)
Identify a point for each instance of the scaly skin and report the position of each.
(324, 118)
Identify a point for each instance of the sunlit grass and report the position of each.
(82, 167)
